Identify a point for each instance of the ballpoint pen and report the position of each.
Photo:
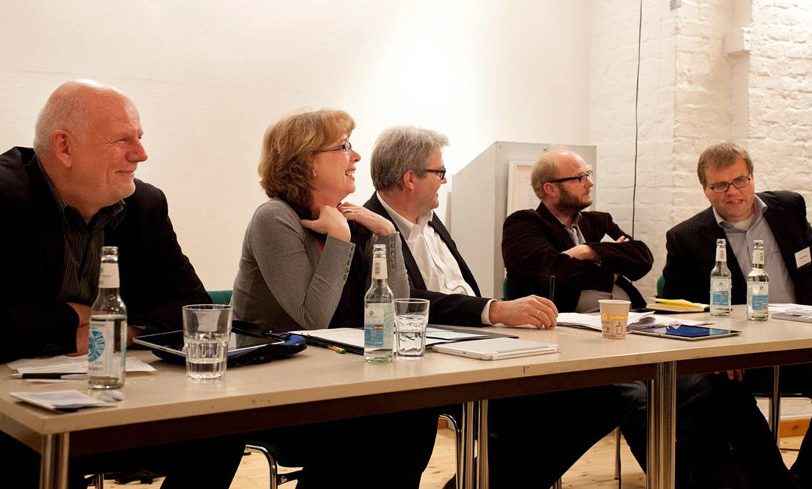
(52, 375)
(551, 289)
(322, 344)
(336, 349)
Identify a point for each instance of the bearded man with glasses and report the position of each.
(589, 255)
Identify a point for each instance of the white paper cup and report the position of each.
(614, 318)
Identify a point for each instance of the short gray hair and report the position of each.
(55, 115)
(68, 106)
(401, 149)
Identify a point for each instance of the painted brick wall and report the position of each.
(711, 70)
(780, 87)
(612, 118)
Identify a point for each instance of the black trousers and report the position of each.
(794, 379)
(388, 450)
(723, 440)
(209, 463)
(534, 440)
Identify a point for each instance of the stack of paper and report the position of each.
(676, 305)
(792, 312)
(65, 367)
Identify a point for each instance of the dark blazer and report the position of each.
(691, 247)
(156, 278)
(532, 246)
(458, 309)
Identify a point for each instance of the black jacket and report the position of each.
(691, 247)
(156, 277)
(456, 309)
(532, 246)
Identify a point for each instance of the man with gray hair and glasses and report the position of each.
(740, 215)
(407, 171)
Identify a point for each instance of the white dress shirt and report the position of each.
(434, 259)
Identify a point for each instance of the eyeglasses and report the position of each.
(345, 147)
(580, 178)
(440, 172)
(738, 182)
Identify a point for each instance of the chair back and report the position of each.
(220, 296)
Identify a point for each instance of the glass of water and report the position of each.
(411, 317)
(206, 331)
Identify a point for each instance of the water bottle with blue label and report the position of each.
(758, 286)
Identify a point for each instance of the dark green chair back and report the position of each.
(220, 296)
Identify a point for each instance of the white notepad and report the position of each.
(496, 348)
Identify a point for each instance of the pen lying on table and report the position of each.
(51, 375)
(322, 344)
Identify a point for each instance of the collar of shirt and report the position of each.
(406, 227)
(758, 215)
(112, 214)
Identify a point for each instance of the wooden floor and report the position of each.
(595, 470)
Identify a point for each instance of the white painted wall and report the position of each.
(209, 76)
(711, 70)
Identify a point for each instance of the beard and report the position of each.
(568, 202)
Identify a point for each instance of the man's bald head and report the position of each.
(70, 107)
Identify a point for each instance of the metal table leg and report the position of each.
(775, 404)
(662, 421)
(482, 445)
(469, 426)
(53, 472)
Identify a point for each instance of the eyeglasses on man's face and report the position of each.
(439, 171)
(581, 178)
(738, 182)
(345, 147)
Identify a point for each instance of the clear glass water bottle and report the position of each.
(720, 282)
(758, 285)
(379, 312)
(107, 339)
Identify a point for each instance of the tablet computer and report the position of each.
(687, 332)
(172, 342)
(496, 348)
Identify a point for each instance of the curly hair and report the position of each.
(289, 147)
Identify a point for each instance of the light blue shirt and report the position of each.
(741, 236)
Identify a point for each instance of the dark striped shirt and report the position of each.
(83, 243)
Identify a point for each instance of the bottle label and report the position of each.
(108, 276)
(759, 296)
(100, 348)
(721, 254)
(720, 298)
(760, 302)
(758, 257)
(378, 325)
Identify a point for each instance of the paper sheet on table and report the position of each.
(593, 321)
(355, 337)
(69, 365)
(67, 400)
(792, 312)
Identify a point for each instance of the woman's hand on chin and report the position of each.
(331, 222)
(365, 217)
